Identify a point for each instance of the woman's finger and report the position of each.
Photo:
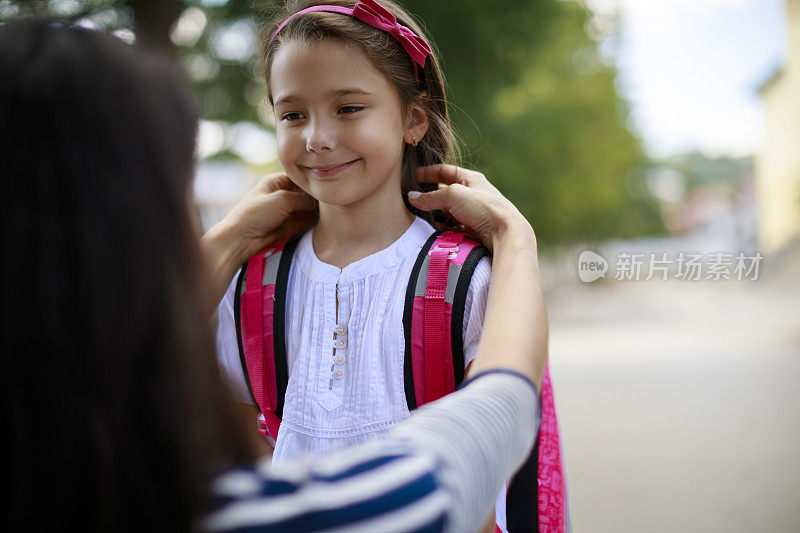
(276, 182)
(294, 201)
(441, 173)
(431, 201)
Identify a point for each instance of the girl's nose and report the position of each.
(320, 136)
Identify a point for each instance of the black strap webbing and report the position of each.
(279, 323)
(522, 497)
(237, 318)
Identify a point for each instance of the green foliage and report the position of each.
(700, 170)
(233, 90)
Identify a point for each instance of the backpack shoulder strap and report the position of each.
(434, 313)
(260, 323)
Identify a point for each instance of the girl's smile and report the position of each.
(326, 171)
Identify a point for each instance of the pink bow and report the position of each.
(379, 17)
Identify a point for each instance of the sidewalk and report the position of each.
(679, 404)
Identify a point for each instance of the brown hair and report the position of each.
(439, 144)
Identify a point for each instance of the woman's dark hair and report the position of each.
(114, 410)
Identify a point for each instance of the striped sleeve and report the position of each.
(381, 487)
(480, 436)
(437, 471)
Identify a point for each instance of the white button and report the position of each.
(338, 374)
(340, 329)
(340, 343)
(339, 359)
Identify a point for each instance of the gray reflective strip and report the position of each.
(422, 280)
(271, 269)
(452, 280)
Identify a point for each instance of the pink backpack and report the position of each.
(434, 358)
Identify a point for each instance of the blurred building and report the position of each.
(778, 164)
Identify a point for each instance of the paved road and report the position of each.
(679, 404)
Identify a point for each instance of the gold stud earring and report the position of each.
(414, 141)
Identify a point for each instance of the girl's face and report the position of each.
(340, 129)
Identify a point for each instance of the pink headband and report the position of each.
(377, 16)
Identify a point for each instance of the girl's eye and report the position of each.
(290, 117)
(351, 109)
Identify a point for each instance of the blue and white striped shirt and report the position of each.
(437, 471)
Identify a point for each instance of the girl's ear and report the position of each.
(417, 120)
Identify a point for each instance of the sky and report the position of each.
(691, 70)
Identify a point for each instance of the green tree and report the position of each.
(701, 170)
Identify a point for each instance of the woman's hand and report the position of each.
(468, 197)
(274, 209)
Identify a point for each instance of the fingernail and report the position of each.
(413, 195)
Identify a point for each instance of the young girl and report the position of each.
(359, 104)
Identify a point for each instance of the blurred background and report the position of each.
(646, 128)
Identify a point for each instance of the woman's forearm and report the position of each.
(224, 250)
(515, 331)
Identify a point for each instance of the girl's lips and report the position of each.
(324, 172)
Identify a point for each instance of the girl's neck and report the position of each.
(345, 234)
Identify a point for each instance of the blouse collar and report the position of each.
(406, 247)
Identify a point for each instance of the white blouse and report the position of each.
(342, 395)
